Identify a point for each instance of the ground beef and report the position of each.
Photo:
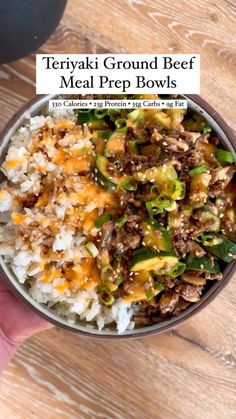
(133, 162)
(211, 276)
(189, 292)
(181, 306)
(133, 223)
(217, 189)
(180, 245)
(123, 241)
(191, 160)
(142, 320)
(106, 235)
(168, 302)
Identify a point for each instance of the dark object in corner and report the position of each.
(26, 25)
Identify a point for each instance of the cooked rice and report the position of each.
(42, 241)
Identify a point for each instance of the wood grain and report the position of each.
(186, 373)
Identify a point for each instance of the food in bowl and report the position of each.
(117, 216)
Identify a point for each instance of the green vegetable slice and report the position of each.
(177, 189)
(209, 221)
(85, 115)
(206, 129)
(156, 236)
(92, 249)
(100, 113)
(224, 156)
(115, 145)
(121, 123)
(161, 262)
(203, 263)
(102, 220)
(107, 180)
(121, 221)
(197, 171)
(225, 249)
(104, 133)
(159, 204)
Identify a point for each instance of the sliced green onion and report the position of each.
(149, 209)
(104, 133)
(187, 210)
(98, 124)
(179, 188)
(197, 171)
(154, 191)
(85, 115)
(92, 249)
(101, 220)
(100, 113)
(134, 115)
(121, 123)
(224, 156)
(121, 221)
(128, 185)
(206, 129)
(107, 298)
(119, 280)
(157, 205)
(106, 272)
(177, 270)
(150, 295)
(158, 286)
(113, 113)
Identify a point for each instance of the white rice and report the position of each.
(24, 180)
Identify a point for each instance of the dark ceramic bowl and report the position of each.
(228, 140)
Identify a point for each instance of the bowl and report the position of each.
(36, 105)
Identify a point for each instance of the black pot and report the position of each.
(26, 25)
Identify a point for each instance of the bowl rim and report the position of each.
(157, 328)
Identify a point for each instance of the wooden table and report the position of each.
(186, 373)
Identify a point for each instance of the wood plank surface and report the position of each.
(186, 373)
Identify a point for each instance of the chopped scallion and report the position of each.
(224, 156)
(121, 123)
(197, 171)
(121, 221)
(158, 286)
(92, 249)
(206, 129)
(102, 220)
(150, 295)
(100, 113)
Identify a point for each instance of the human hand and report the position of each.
(17, 321)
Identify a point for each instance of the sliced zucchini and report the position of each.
(166, 180)
(225, 249)
(106, 179)
(115, 145)
(203, 264)
(161, 262)
(175, 271)
(209, 221)
(199, 189)
(156, 236)
(138, 287)
(159, 175)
